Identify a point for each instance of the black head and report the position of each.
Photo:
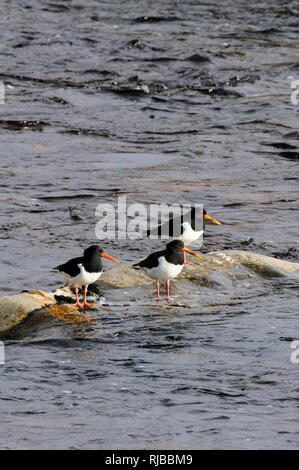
(175, 245)
(174, 252)
(92, 251)
(204, 213)
(196, 209)
(206, 217)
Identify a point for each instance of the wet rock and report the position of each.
(32, 308)
(247, 78)
(262, 264)
(14, 125)
(124, 276)
(136, 43)
(92, 132)
(155, 19)
(214, 270)
(69, 314)
(59, 100)
(15, 308)
(74, 214)
(198, 58)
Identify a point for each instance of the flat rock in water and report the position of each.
(125, 275)
(214, 268)
(15, 308)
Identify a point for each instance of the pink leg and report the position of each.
(77, 298)
(86, 304)
(158, 291)
(167, 289)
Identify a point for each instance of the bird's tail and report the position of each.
(57, 268)
(136, 266)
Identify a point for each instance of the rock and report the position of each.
(198, 58)
(124, 276)
(215, 269)
(18, 308)
(69, 314)
(15, 308)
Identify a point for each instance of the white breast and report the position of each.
(165, 270)
(189, 235)
(84, 278)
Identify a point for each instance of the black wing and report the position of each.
(151, 261)
(172, 228)
(175, 228)
(71, 266)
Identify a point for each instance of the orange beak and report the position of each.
(192, 253)
(109, 257)
(207, 217)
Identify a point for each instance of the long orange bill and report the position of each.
(192, 253)
(207, 217)
(109, 257)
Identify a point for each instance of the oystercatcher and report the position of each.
(180, 229)
(84, 270)
(166, 264)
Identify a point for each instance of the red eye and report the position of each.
(97, 249)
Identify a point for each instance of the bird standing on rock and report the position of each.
(84, 270)
(183, 228)
(166, 264)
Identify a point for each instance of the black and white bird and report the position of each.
(166, 264)
(84, 270)
(183, 228)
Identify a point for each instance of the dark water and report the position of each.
(175, 102)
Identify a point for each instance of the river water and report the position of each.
(185, 102)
